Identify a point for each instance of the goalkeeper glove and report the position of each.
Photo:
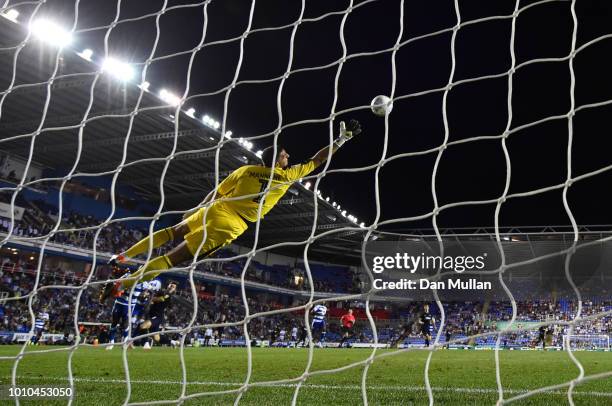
(346, 133)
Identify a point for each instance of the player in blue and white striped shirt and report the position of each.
(318, 324)
(40, 325)
(121, 309)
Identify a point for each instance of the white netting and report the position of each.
(587, 342)
(81, 122)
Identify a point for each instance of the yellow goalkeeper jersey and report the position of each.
(252, 179)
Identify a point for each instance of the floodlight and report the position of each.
(50, 32)
(169, 97)
(86, 54)
(11, 14)
(118, 69)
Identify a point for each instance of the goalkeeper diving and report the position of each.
(226, 219)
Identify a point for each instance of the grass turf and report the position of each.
(457, 377)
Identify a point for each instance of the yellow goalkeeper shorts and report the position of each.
(223, 225)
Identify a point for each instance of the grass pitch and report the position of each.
(457, 377)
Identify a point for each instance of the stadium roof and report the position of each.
(101, 107)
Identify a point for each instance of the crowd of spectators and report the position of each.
(284, 277)
(463, 319)
(17, 281)
(36, 222)
(40, 219)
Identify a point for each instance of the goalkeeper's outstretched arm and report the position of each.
(346, 133)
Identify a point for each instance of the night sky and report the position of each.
(469, 171)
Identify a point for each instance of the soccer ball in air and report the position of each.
(381, 105)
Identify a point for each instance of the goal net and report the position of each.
(136, 112)
(587, 342)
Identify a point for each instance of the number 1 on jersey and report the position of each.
(263, 183)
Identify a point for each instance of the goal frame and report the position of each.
(568, 337)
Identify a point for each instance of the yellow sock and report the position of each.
(160, 237)
(159, 264)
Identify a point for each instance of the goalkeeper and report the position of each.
(228, 219)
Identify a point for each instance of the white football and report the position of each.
(381, 105)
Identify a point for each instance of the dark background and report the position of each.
(470, 171)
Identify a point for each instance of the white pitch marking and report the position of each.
(317, 386)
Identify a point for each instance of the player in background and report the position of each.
(447, 335)
(405, 331)
(120, 313)
(112, 288)
(556, 333)
(318, 324)
(157, 310)
(227, 219)
(208, 335)
(273, 334)
(41, 324)
(220, 331)
(348, 322)
(428, 323)
(303, 336)
(282, 334)
(294, 333)
(541, 337)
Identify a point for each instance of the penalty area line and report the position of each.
(399, 388)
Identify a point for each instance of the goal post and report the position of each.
(585, 342)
